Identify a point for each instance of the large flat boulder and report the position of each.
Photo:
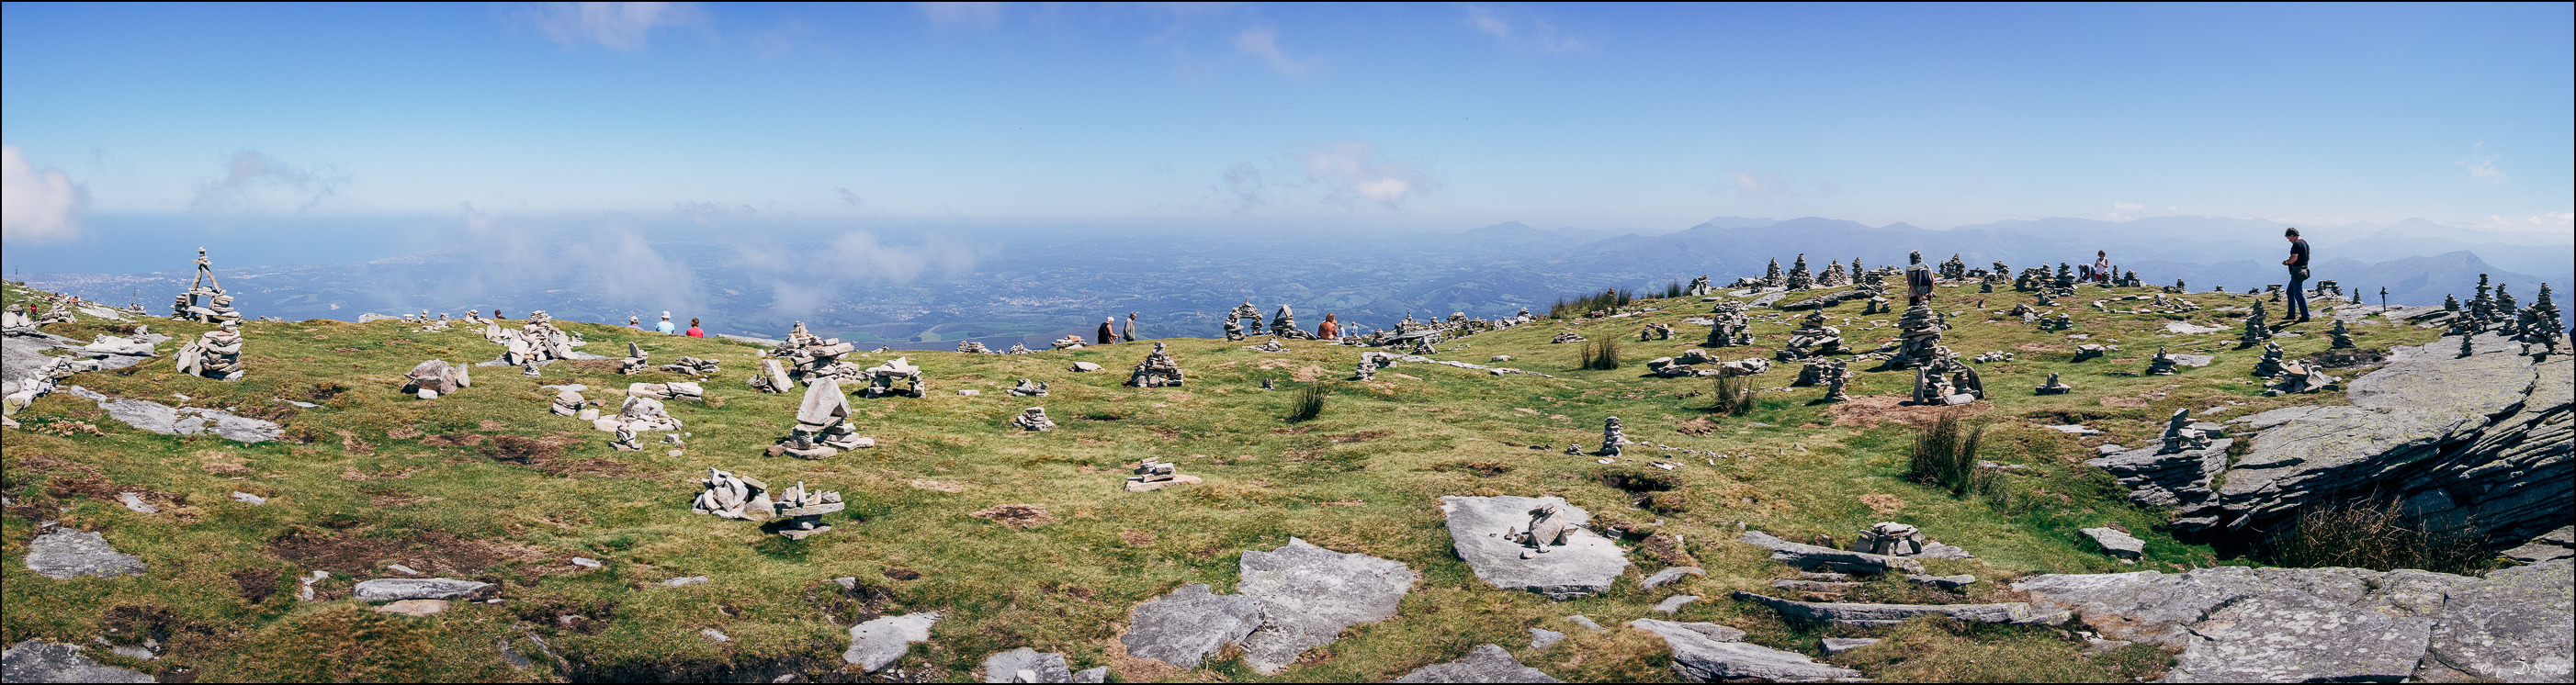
(877, 644)
(1184, 627)
(63, 553)
(168, 420)
(1881, 615)
(398, 589)
(1812, 557)
(46, 661)
(2516, 626)
(1041, 667)
(1484, 664)
(1310, 594)
(1585, 565)
(1708, 653)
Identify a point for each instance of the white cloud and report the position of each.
(847, 197)
(256, 183)
(1355, 170)
(620, 26)
(1759, 186)
(2127, 206)
(2554, 220)
(1263, 42)
(1540, 37)
(711, 212)
(38, 206)
(2481, 166)
(977, 14)
(803, 279)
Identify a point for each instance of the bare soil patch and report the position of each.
(1017, 516)
(1362, 436)
(1871, 410)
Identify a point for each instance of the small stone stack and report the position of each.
(1244, 319)
(2053, 386)
(1158, 370)
(2255, 330)
(882, 377)
(1954, 268)
(1730, 326)
(1815, 339)
(2065, 278)
(217, 354)
(972, 347)
(730, 496)
(1019, 348)
(2539, 322)
(2342, 336)
(1815, 372)
(801, 511)
(1920, 342)
(822, 424)
(1612, 438)
(2271, 364)
(2162, 364)
(1799, 277)
(634, 362)
(2181, 436)
(1285, 324)
(772, 378)
(1836, 378)
(2060, 322)
(1034, 418)
(1029, 388)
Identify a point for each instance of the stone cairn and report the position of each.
(822, 424)
(1699, 287)
(1834, 276)
(2163, 364)
(2090, 352)
(2255, 330)
(1565, 337)
(1271, 346)
(569, 402)
(1891, 539)
(1366, 369)
(1655, 331)
(2177, 288)
(2539, 323)
(1729, 325)
(685, 391)
(1152, 473)
(218, 307)
(1799, 278)
(800, 512)
(1954, 269)
(1019, 348)
(1074, 342)
(436, 377)
(1158, 370)
(1034, 418)
(2060, 322)
(2342, 336)
(772, 378)
(1245, 317)
(812, 358)
(217, 354)
(882, 377)
(730, 496)
(1029, 388)
(2271, 364)
(1814, 339)
(2180, 436)
(1992, 356)
(1919, 343)
(1284, 324)
(1814, 372)
(2301, 377)
(536, 342)
(1836, 377)
(972, 347)
(693, 366)
(2053, 386)
(1612, 438)
(1772, 278)
(634, 361)
(1548, 527)
(1950, 383)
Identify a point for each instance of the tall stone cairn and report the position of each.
(1920, 342)
(2539, 322)
(1834, 276)
(1772, 278)
(1799, 277)
(1955, 268)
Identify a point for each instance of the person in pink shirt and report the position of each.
(694, 331)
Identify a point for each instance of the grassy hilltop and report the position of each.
(486, 484)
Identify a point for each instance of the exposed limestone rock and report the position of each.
(2117, 543)
(1309, 595)
(1489, 533)
(1669, 575)
(1034, 418)
(167, 420)
(2556, 544)
(1484, 664)
(46, 661)
(63, 553)
(1025, 665)
(1707, 652)
(877, 644)
(1880, 615)
(393, 589)
(1185, 627)
(2236, 624)
(1814, 557)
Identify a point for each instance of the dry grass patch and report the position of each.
(1017, 516)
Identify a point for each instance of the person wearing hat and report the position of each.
(665, 326)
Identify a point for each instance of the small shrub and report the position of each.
(1734, 396)
(1605, 300)
(1308, 404)
(1945, 456)
(2374, 534)
(1600, 355)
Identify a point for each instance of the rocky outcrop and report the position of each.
(2477, 442)
(877, 644)
(2235, 624)
(63, 553)
(1479, 529)
(46, 661)
(1484, 664)
(396, 589)
(1291, 599)
(1811, 557)
(1883, 615)
(168, 420)
(1708, 653)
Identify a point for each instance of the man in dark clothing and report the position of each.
(2297, 312)
(1108, 332)
(1918, 280)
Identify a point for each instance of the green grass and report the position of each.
(385, 478)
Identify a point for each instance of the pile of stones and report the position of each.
(1033, 418)
(1029, 388)
(218, 307)
(1157, 370)
(822, 425)
(1729, 325)
(972, 347)
(217, 354)
(882, 379)
(2053, 386)
(1152, 473)
(436, 377)
(1813, 339)
(810, 358)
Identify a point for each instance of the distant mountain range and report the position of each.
(1003, 287)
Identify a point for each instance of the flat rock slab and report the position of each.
(1807, 556)
(877, 644)
(1879, 615)
(1184, 627)
(1048, 667)
(1838, 645)
(1670, 575)
(415, 607)
(1310, 594)
(167, 420)
(2285, 624)
(1674, 604)
(1585, 565)
(63, 553)
(1484, 664)
(1707, 652)
(1541, 638)
(2116, 542)
(46, 661)
(397, 589)
(2186, 328)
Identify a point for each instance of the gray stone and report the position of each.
(1877, 615)
(1092, 675)
(1484, 664)
(1585, 621)
(1586, 564)
(1838, 645)
(1952, 583)
(1813, 557)
(1085, 367)
(135, 502)
(247, 498)
(1707, 652)
(2116, 542)
(2556, 544)
(405, 570)
(45, 661)
(2294, 637)
(167, 420)
(63, 553)
(1669, 575)
(2516, 626)
(713, 635)
(513, 657)
(1674, 604)
(1184, 627)
(1818, 586)
(1542, 638)
(1049, 667)
(1310, 595)
(394, 589)
(877, 644)
(684, 580)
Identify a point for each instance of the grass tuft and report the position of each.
(1309, 403)
(2375, 534)
(1734, 396)
(1599, 355)
(1945, 456)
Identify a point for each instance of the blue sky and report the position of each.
(1261, 116)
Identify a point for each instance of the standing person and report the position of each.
(2101, 266)
(1108, 330)
(1130, 335)
(665, 325)
(695, 331)
(2297, 312)
(1330, 329)
(1918, 281)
